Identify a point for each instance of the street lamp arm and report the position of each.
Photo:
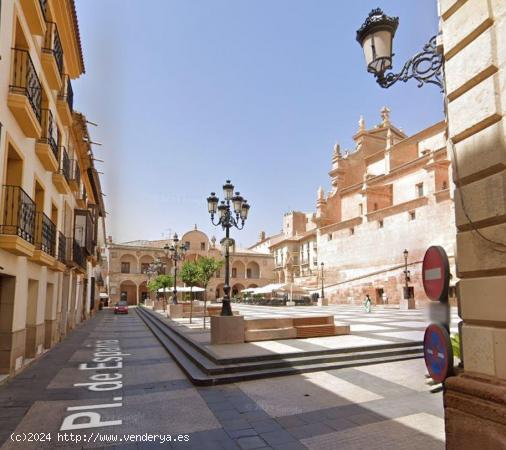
(425, 67)
(217, 223)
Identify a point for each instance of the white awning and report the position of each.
(104, 295)
(182, 289)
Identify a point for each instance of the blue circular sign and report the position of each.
(438, 352)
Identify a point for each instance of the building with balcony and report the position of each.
(129, 262)
(389, 194)
(49, 235)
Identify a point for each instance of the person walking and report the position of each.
(367, 303)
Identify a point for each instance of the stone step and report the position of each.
(202, 369)
(232, 360)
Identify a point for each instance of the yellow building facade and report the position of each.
(129, 263)
(51, 207)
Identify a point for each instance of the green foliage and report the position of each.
(455, 339)
(160, 282)
(208, 267)
(191, 273)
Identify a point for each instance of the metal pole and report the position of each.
(406, 271)
(226, 309)
(323, 293)
(174, 291)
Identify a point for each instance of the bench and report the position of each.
(319, 326)
(198, 310)
(268, 329)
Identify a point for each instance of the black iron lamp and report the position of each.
(176, 252)
(233, 213)
(376, 38)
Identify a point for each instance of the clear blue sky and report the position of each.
(189, 93)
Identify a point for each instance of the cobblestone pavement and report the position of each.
(369, 407)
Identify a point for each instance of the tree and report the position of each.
(191, 276)
(208, 267)
(161, 282)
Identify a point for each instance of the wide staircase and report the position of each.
(204, 367)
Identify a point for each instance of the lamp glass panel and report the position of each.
(380, 59)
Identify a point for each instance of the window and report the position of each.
(329, 236)
(187, 245)
(125, 267)
(144, 267)
(352, 231)
(202, 246)
(412, 215)
(444, 185)
(360, 209)
(419, 189)
(234, 273)
(248, 273)
(375, 207)
(380, 224)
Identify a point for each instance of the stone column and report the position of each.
(474, 41)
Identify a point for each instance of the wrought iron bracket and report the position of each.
(425, 67)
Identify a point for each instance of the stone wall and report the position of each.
(474, 44)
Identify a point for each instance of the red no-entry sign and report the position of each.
(436, 273)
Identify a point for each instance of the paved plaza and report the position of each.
(383, 325)
(375, 406)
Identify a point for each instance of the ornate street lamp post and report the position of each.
(228, 218)
(154, 269)
(376, 38)
(407, 275)
(323, 292)
(175, 252)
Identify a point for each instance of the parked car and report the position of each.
(121, 307)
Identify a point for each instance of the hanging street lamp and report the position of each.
(376, 38)
(233, 212)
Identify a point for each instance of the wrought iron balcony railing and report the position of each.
(45, 234)
(43, 6)
(49, 131)
(78, 254)
(66, 92)
(24, 79)
(52, 44)
(75, 171)
(65, 166)
(18, 213)
(62, 247)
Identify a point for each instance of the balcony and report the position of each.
(65, 102)
(75, 175)
(25, 94)
(75, 255)
(17, 227)
(34, 11)
(52, 57)
(61, 254)
(45, 240)
(61, 179)
(46, 147)
(81, 198)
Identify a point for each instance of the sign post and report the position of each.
(437, 348)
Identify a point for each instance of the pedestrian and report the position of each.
(367, 303)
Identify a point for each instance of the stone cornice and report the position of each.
(349, 223)
(396, 209)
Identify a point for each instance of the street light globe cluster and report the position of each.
(233, 212)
